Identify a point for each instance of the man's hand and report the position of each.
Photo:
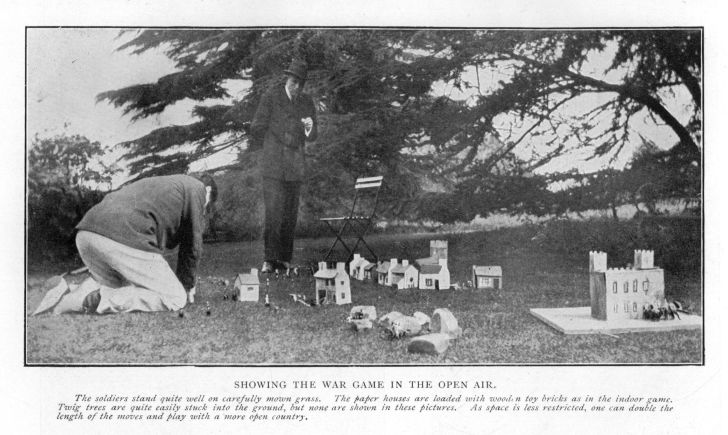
(307, 125)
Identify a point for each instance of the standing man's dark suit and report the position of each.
(279, 124)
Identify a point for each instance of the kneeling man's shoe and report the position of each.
(91, 302)
(54, 288)
(267, 267)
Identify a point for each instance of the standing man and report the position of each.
(284, 121)
(122, 238)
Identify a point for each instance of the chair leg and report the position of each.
(339, 239)
(361, 231)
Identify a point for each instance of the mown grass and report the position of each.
(537, 273)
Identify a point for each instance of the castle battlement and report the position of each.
(622, 292)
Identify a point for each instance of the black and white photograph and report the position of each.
(376, 195)
(323, 217)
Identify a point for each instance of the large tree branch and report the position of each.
(633, 92)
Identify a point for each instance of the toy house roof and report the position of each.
(430, 269)
(487, 270)
(384, 267)
(326, 273)
(247, 278)
(399, 268)
(370, 266)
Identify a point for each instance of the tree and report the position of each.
(374, 89)
(64, 181)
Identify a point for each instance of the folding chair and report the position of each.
(360, 219)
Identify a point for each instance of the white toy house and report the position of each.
(434, 276)
(433, 271)
(383, 273)
(333, 285)
(358, 266)
(404, 275)
(247, 286)
(354, 265)
(487, 277)
(622, 293)
(369, 272)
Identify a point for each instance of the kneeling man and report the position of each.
(121, 241)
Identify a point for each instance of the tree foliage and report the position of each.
(556, 91)
(64, 181)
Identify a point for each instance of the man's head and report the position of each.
(210, 190)
(296, 77)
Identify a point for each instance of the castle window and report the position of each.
(634, 286)
(626, 286)
(616, 308)
(614, 287)
(626, 307)
(343, 295)
(634, 306)
(646, 286)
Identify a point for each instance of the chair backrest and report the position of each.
(366, 196)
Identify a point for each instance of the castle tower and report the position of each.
(598, 261)
(438, 249)
(644, 259)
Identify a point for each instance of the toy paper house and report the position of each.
(332, 285)
(357, 267)
(370, 271)
(383, 273)
(621, 293)
(434, 276)
(404, 275)
(247, 285)
(354, 265)
(487, 277)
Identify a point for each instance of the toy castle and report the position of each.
(622, 293)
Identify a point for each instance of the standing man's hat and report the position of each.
(297, 69)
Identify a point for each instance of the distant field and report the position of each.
(237, 333)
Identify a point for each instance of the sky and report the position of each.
(68, 67)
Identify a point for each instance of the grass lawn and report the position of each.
(243, 333)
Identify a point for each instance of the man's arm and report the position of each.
(190, 247)
(261, 120)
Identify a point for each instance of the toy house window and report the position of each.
(634, 286)
(646, 286)
(626, 287)
(428, 282)
(342, 282)
(626, 307)
(250, 289)
(343, 295)
(614, 287)
(634, 306)
(616, 308)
